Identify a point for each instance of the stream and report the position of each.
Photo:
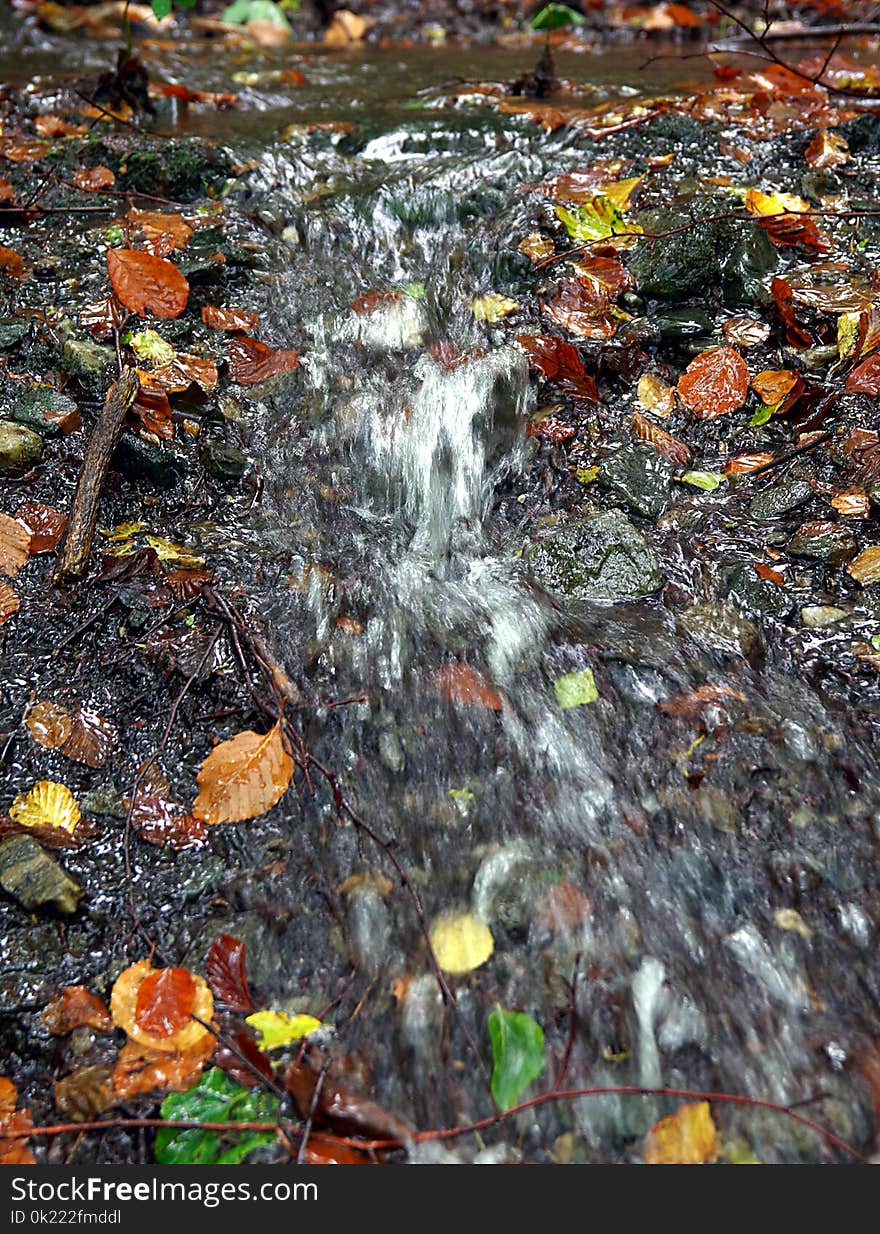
(398, 494)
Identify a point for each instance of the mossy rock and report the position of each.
(600, 557)
(675, 265)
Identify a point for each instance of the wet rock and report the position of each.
(748, 590)
(139, 459)
(34, 878)
(683, 323)
(780, 499)
(222, 461)
(640, 477)
(83, 358)
(600, 557)
(184, 169)
(717, 808)
(863, 133)
(720, 627)
(46, 411)
(391, 753)
(369, 928)
(678, 264)
(20, 447)
(746, 257)
(825, 541)
(11, 332)
(503, 892)
(799, 743)
(815, 616)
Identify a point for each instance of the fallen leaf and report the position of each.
(550, 427)
(45, 525)
(790, 919)
(165, 824)
(11, 263)
(179, 373)
(49, 724)
(655, 395)
(161, 1008)
(345, 28)
(47, 804)
(783, 297)
(91, 739)
(581, 307)
(461, 943)
(84, 1094)
(827, 150)
(760, 203)
(345, 1111)
(864, 378)
(14, 546)
(744, 331)
(741, 464)
(560, 363)
(13, 1146)
(795, 231)
(143, 283)
(865, 568)
(102, 317)
(276, 1029)
(492, 307)
(161, 233)
(691, 704)
(774, 384)
(76, 1007)
(243, 777)
(9, 601)
(563, 907)
(251, 361)
(231, 320)
(669, 447)
(93, 179)
(852, 503)
(154, 411)
(140, 1069)
(464, 685)
(536, 247)
(517, 1054)
(576, 689)
(687, 1137)
(715, 383)
(225, 971)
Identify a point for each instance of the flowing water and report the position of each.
(398, 493)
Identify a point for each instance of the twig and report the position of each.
(313, 1105)
(84, 510)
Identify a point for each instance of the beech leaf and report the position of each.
(517, 1054)
(276, 1029)
(461, 943)
(145, 283)
(243, 777)
(687, 1137)
(715, 383)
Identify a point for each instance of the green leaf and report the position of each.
(215, 1099)
(706, 480)
(243, 11)
(763, 414)
(161, 8)
(517, 1054)
(576, 689)
(556, 17)
(595, 220)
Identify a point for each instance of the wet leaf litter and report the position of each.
(693, 447)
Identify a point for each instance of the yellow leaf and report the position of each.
(124, 531)
(757, 202)
(277, 1029)
(167, 550)
(48, 804)
(536, 247)
(790, 919)
(655, 395)
(620, 191)
(461, 943)
(847, 334)
(687, 1137)
(243, 777)
(492, 307)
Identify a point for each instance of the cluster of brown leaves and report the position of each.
(79, 733)
(35, 529)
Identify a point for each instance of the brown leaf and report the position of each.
(715, 383)
(741, 464)
(550, 427)
(327, 1150)
(76, 1007)
(161, 1006)
(153, 410)
(234, 1065)
(83, 1095)
(165, 1000)
(102, 317)
(464, 685)
(181, 372)
(852, 503)
(13, 1151)
(827, 150)
(91, 740)
(251, 361)
(869, 332)
(560, 363)
(744, 331)
(687, 1137)
(579, 306)
(673, 450)
(146, 283)
(161, 233)
(865, 568)
(9, 601)
(14, 546)
(226, 973)
(231, 320)
(345, 28)
(783, 297)
(346, 1112)
(701, 696)
(655, 395)
(795, 231)
(163, 823)
(774, 384)
(865, 378)
(536, 247)
(563, 907)
(46, 526)
(11, 263)
(93, 179)
(243, 777)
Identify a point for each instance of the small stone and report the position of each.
(815, 616)
(222, 461)
(827, 541)
(866, 567)
(679, 264)
(780, 499)
(719, 627)
(600, 557)
(138, 459)
(11, 332)
(34, 878)
(46, 411)
(746, 256)
(84, 358)
(20, 448)
(640, 477)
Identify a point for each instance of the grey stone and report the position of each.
(719, 627)
(781, 499)
(599, 557)
(640, 477)
(34, 878)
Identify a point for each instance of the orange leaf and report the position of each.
(827, 150)
(180, 373)
(159, 1009)
(774, 384)
(165, 1001)
(93, 179)
(140, 1069)
(76, 1007)
(669, 447)
(147, 283)
(687, 1137)
(46, 526)
(251, 361)
(744, 463)
(153, 410)
(230, 320)
(9, 601)
(715, 383)
(161, 233)
(464, 685)
(243, 777)
(11, 263)
(14, 545)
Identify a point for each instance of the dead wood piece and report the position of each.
(80, 530)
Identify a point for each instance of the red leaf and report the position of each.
(45, 525)
(715, 383)
(230, 1062)
(795, 231)
(225, 971)
(251, 361)
(560, 363)
(230, 320)
(463, 684)
(865, 379)
(673, 450)
(153, 410)
(144, 282)
(795, 333)
(165, 1000)
(551, 428)
(346, 1112)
